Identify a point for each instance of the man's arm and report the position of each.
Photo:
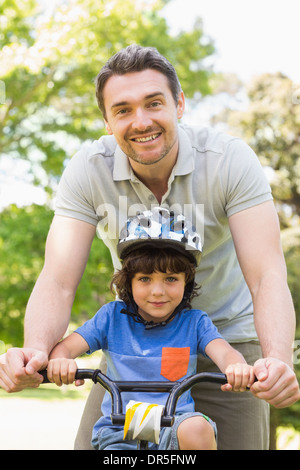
(49, 307)
(256, 236)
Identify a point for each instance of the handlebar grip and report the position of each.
(80, 374)
(43, 373)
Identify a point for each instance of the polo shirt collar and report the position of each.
(122, 169)
(183, 166)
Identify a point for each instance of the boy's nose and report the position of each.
(158, 288)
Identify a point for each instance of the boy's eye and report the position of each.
(144, 279)
(171, 279)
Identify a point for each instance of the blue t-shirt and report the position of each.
(136, 354)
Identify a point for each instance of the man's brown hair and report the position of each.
(135, 58)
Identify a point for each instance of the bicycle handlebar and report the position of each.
(115, 388)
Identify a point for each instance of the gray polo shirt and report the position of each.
(215, 176)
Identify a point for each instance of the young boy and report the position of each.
(151, 333)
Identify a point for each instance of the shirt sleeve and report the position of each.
(243, 178)
(93, 331)
(207, 332)
(74, 198)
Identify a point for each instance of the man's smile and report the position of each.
(148, 138)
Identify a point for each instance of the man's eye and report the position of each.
(154, 104)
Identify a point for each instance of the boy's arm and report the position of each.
(70, 347)
(240, 375)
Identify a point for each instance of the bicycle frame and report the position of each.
(115, 388)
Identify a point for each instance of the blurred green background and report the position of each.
(50, 55)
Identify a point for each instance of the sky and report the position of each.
(251, 37)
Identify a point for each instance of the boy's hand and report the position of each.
(62, 371)
(239, 378)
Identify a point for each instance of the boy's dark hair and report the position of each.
(135, 58)
(147, 260)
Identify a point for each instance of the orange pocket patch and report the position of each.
(174, 363)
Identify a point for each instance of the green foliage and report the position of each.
(23, 232)
(270, 124)
(22, 240)
(94, 288)
(291, 245)
(50, 58)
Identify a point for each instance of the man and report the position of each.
(149, 159)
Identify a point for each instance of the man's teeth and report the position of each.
(147, 139)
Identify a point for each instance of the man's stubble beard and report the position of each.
(137, 157)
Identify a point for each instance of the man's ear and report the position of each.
(107, 126)
(180, 105)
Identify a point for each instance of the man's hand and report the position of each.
(19, 369)
(276, 383)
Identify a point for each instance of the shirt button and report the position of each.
(151, 197)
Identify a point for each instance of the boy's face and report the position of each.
(157, 294)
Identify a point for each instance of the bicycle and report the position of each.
(115, 388)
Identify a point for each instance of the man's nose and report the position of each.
(142, 120)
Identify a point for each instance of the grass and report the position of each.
(50, 392)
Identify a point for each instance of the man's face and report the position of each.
(142, 115)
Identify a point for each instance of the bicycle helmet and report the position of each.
(160, 228)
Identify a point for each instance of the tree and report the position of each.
(22, 240)
(271, 126)
(50, 58)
